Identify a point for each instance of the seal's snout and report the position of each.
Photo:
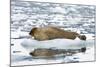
(30, 32)
(31, 53)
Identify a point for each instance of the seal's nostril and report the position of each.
(30, 53)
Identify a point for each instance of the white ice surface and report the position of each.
(20, 56)
(19, 34)
(56, 44)
(23, 57)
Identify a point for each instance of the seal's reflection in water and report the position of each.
(53, 53)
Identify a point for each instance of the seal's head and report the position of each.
(42, 52)
(32, 31)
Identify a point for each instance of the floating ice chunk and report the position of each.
(55, 43)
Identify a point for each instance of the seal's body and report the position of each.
(48, 33)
